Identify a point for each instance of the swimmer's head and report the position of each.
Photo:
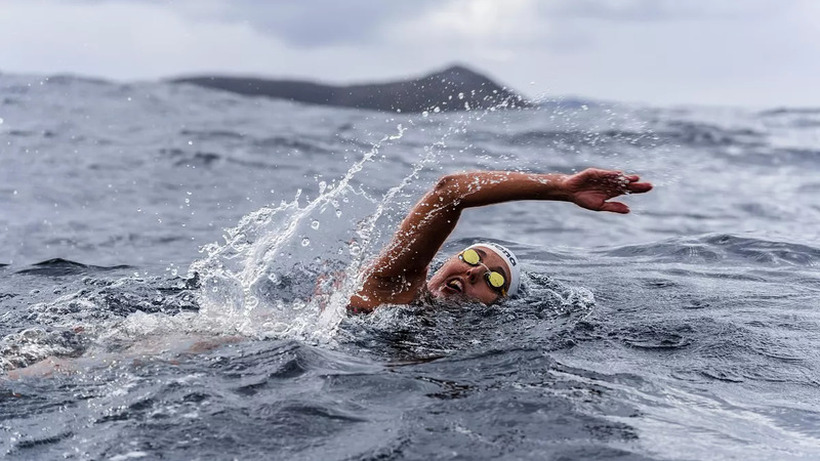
(484, 272)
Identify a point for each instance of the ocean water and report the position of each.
(176, 263)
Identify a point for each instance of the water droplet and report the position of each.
(314, 225)
(338, 213)
(305, 242)
(425, 114)
(437, 109)
(273, 278)
(322, 186)
(190, 143)
(187, 200)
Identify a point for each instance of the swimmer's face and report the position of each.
(457, 279)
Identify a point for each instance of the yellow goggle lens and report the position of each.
(471, 257)
(495, 279)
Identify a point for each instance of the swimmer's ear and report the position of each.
(615, 207)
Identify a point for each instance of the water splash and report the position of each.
(260, 283)
(275, 275)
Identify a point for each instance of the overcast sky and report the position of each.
(754, 53)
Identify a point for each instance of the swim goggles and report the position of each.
(494, 279)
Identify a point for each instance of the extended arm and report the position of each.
(401, 269)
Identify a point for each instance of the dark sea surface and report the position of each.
(176, 263)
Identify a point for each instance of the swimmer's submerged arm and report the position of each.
(401, 269)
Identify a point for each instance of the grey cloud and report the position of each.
(659, 10)
(320, 22)
(316, 23)
(305, 23)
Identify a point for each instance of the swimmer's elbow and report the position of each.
(446, 182)
(449, 187)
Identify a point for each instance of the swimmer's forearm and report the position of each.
(473, 189)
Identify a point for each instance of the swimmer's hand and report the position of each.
(592, 188)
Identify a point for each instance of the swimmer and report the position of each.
(484, 272)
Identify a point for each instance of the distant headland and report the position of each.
(453, 89)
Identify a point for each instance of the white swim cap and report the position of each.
(509, 258)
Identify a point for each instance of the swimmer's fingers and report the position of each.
(615, 207)
(628, 184)
(638, 187)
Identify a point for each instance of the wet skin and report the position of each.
(457, 279)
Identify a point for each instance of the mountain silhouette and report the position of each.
(453, 89)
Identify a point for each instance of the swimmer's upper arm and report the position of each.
(400, 271)
(422, 232)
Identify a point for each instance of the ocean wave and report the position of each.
(61, 267)
(664, 133)
(184, 158)
(790, 110)
(557, 138)
(721, 247)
